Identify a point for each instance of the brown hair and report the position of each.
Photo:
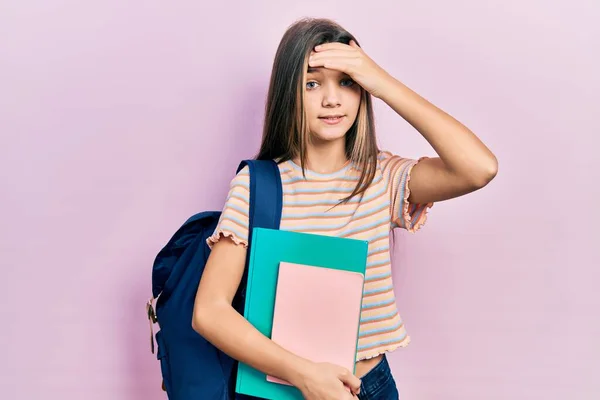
(285, 131)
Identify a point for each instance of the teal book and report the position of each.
(269, 249)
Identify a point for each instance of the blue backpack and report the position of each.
(192, 368)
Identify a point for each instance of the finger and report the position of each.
(343, 58)
(334, 55)
(348, 395)
(344, 65)
(351, 381)
(332, 45)
(353, 393)
(329, 64)
(354, 44)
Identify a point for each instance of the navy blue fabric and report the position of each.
(266, 200)
(192, 368)
(379, 383)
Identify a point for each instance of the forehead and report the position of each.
(325, 72)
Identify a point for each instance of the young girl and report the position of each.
(319, 127)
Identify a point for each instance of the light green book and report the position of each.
(269, 248)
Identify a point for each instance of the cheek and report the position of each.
(354, 102)
(311, 107)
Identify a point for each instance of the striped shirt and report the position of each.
(308, 207)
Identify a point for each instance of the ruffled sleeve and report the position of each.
(234, 220)
(397, 172)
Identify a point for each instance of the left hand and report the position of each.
(351, 60)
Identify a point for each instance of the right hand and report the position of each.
(326, 381)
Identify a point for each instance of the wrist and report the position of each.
(298, 371)
(387, 85)
(390, 87)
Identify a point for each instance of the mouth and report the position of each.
(332, 119)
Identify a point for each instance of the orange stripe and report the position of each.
(228, 207)
(341, 194)
(295, 218)
(378, 293)
(245, 228)
(241, 186)
(378, 320)
(384, 239)
(387, 163)
(240, 198)
(374, 346)
(393, 170)
(330, 193)
(380, 307)
(310, 183)
(378, 279)
(379, 266)
(379, 252)
(368, 228)
(384, 333)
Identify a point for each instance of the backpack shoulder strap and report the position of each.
(265, 194)
(266, 201)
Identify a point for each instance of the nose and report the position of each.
(331, 95)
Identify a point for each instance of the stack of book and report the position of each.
(304, 291)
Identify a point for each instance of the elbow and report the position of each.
(205, 315)
(485, 173)
(199, 317)
(491, 169)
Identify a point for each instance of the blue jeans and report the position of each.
(377, 384)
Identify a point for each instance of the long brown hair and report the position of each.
(285, 131)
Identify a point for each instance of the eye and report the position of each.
(350, 82)
(308, 83)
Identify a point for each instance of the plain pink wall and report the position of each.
(120, 119)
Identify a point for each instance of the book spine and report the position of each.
(251, 255)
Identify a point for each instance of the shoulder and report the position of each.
(242, 176)
(244, 173)
(240, 183)
(384, 155)
(389, 163)
(385, 158)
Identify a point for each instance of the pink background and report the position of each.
(120, 119)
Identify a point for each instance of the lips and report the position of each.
(332, 120)
(332, 116)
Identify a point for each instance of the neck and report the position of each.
(325, 157)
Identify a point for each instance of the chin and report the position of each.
(330, 134)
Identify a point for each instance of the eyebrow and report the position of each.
(318, 70)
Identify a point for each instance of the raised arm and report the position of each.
(464, 164)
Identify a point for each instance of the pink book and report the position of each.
(317, 313)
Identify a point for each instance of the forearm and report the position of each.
(229, 331)
(460, 149)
